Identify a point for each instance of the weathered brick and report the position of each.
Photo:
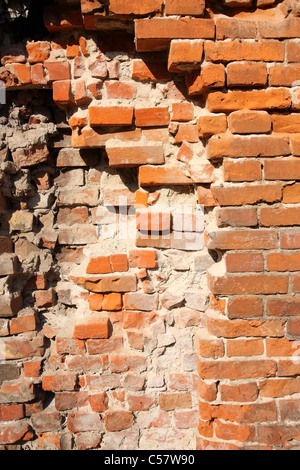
(110, 116)
(248, 283)
(248, 194)
(134, 154)
(254, 100)
(244, 307)
(94, 326)
(185, 55)
(111, 283)
(246, 146)
(223, 51)
(152, 117)
(250, 74)
(249, 122)
(242, 170)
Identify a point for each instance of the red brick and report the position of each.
(282, 168)
(240, 393)
(182, 112)
(62, 18)
(249, 122)
(140, 301)
(247, 194)
(284, 75)
(290, 239)
(94, 138)
(95, 302)
(277, 434)
(22, 324)
(152, 117)
(62, 92)
(38, 75)
(206, 197)
(149, 71)
(291, 194)
(99, 265)
(158, 176)
(276, 388)
(224, 51)
(110, 116)
(244, 262)
(283, 261)
(231, 28)
(22, 72)
(286, 123)
(134, 154)
(245, 347)
(187, 133)
(140, 403)
(58, 71)
(281, 347)
(13, 432)
(188, 7)
(211, 76)
(81, 422)
(142, 259)
(237, 370)
(104, 284)
(32, 369)
(170, 28)
(171, 401)
(236, 217)
(149, 220)
(250, 74)
(229, 431)
(248, 284)
(11, 412)
(99, 402)
(254, 100)
(112, 302)
(38, 51)
(286, 28)
(222, 327)
(293, 50)
(210, 348)
(185, 55)
(248, 146)
(94, 326)
(60, 381)
(44, 299)
(118, 420)
(211, 125)
(244, 307)
(293, 327)
(120, 90)
(119, 262)
(242, 239)
(81, 96)
(242, 170)
(281, 216)
(283, 306)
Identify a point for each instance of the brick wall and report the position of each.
(149, 241)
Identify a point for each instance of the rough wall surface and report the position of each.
(149, 241)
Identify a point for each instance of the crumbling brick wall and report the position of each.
(149, 269)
